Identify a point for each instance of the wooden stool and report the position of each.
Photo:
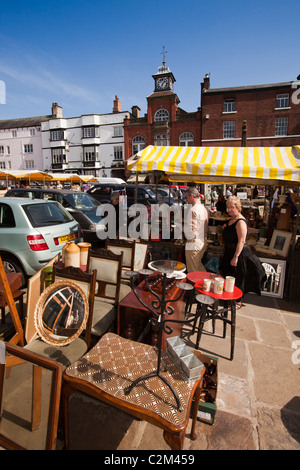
(209, 310)
(18, 297)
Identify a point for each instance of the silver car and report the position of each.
(33, 232)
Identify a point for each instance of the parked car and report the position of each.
(82, 206)
(145, 195)
(32, 232)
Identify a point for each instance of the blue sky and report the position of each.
(83, 53)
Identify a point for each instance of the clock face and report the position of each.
(162, 83)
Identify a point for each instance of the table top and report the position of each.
(236, 294)
(167, 264)
(197, 276)
(114, 363)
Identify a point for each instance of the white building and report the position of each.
(91, 144)
(21, 143)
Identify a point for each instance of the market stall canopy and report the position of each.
(32, 175)
(72, 177)
(277, 165)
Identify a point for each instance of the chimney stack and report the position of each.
(117, 105)
(135, 111)
(57, 111)
(206, 83)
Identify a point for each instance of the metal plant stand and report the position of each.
(160, 319)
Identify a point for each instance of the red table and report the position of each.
(214, 313)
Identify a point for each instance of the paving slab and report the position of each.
(273, 334)
(229, 432)
(278, 429)
(276, 378)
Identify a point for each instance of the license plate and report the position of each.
(66, 238)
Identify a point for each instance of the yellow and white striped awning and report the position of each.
(276, 165)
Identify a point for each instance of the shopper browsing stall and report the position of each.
(239, 261)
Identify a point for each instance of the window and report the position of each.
(57, 135)
(138, 143)
(88, 132)
(1, 149)
(58, 157)
(161, 139)
(89, 154)
(186, 139)
(118, 153)
(6, 216)
(28, 148)
(29, 164)
(281, 126)
(2, 165)
(118, 131)
(161, 115)
(14, 133)
(41, 215)
(32, 131)
(229, 106)
(8, 165)
(8, 150)
(228, 129)
(282, 100)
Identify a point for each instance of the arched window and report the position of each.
(138, 143)
(161, 115)
(186, 139)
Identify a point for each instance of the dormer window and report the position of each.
(161, 115)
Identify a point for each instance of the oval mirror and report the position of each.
(61, 313)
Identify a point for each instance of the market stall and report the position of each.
(276, 166)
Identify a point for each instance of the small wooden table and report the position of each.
(133, 317)
(113, 364)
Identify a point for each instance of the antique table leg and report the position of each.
(174, 440)
(233, 320)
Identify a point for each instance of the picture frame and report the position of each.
(280, 242)
(275, 272)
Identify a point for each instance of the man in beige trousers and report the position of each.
(196, 224)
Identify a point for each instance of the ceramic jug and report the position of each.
(72, 255)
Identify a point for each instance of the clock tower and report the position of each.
(164, 79)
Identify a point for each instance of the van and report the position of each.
(104, 180)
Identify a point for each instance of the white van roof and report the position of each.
(110, 180)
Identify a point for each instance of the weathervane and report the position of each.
(164, 52)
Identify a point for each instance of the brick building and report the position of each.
(271, 112)
(258, 115)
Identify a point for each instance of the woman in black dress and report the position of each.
(239, 261)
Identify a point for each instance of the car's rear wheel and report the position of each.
(11, 265)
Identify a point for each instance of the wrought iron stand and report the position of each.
(159, 319)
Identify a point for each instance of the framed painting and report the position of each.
(280, 242)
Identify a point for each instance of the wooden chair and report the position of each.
(127, 247)
(140, 255)
(109, 290)
(17, 354)
(64, 355)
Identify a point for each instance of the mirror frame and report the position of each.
(38, 313)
